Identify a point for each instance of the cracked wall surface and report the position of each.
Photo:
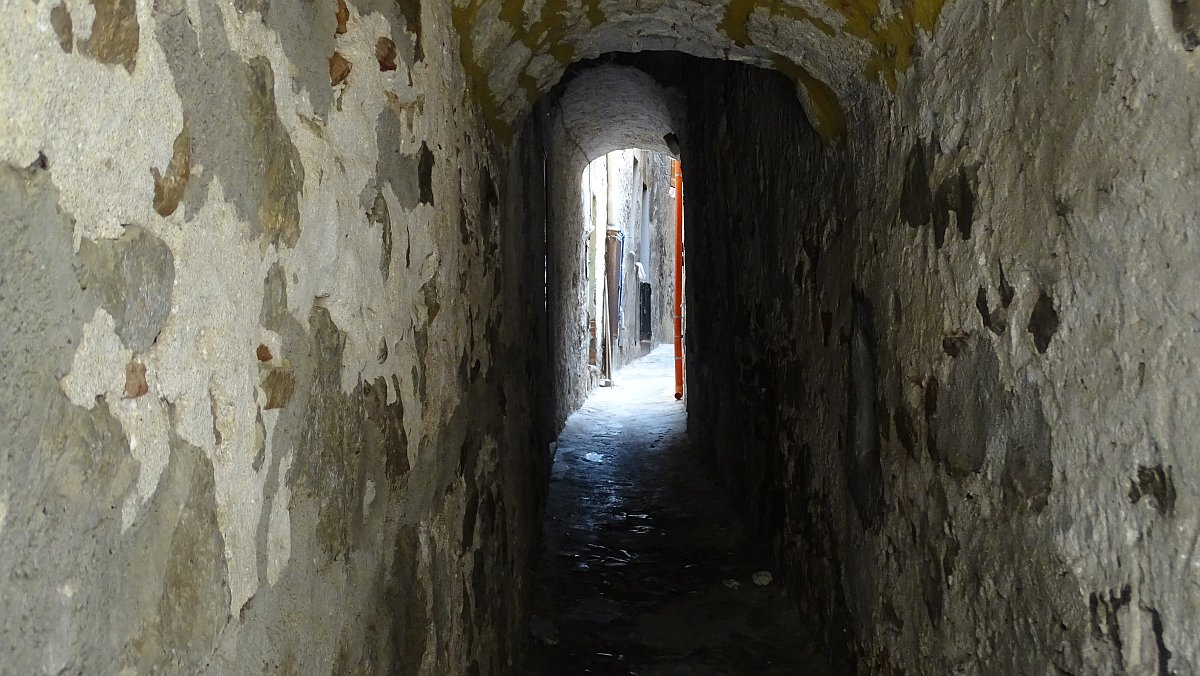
(267, 345)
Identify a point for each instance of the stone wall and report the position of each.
(946, 359)
(268, 343)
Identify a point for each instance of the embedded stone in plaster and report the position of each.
(968, 409)
(274, 311)
(135, 380)
(194, 604)
(411, 10)
(906, 431)
(1185, 15)
(916, 199)
(279, 384)
(407, 593)
(342, 15)
(954, 196)
(339, 69)
(250, 152)
(385, 54)
(381, 216)
(307, 33)
(1028, 465)
(169, 188)
(864, 472)
(1043, 322)
(147, 428)
(996, 320)
(60, 21)
(115, 33)
(279, 533)
(408, 174)
(425, 174)
(133, 277)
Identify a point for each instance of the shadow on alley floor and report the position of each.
(644, 568)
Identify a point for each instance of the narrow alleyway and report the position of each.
(645, 568)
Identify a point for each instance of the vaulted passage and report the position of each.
(297, 299)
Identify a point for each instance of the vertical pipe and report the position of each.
(678, 314)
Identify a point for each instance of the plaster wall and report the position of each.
(268, 343)
(947, 362)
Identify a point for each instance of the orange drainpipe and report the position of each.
(678, 281)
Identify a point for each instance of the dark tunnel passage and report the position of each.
(750, 157)
(302, 337)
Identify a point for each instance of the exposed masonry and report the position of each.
(279, 372)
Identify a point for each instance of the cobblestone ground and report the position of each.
(645, 569)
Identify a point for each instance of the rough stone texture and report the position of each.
(1028, 459)
(133, 277)
(249, 423)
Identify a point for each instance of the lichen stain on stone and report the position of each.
(115, 33)
(60, 21)
(892, 39)
(545, 35)
(407, 594)
(736, 22)
(825, 110)
(169, 188)
(1043, 322)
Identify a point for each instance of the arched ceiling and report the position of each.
(516, 50)
(609, 107)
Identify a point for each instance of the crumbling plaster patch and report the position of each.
(96, 156)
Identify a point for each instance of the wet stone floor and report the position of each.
(645, 569)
